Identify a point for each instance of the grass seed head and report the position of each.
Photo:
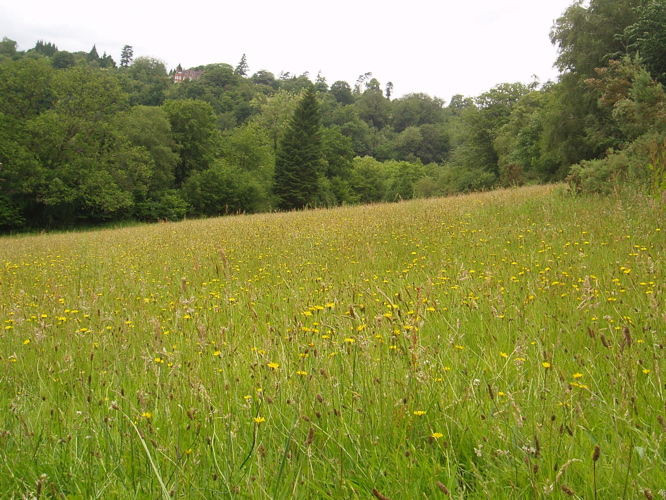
(566, 489)
(443, 488)
(596, 453)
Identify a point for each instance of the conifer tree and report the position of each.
(126, 56)
(93, 55)
(242, 67)
(298, 157)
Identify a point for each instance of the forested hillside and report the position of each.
(85, 140)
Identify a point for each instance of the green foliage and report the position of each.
(481, 125)
(164, 206)
(368, 179)
(647, 37)
(85, 164)
(93, 56)
(126, 56)
(242, 67)
(220, 190)
(337, 152)
(342, 92)
(63, 60)
(374, 108)
(249, 147)
(414, 110)
(638, 108)
(8, 49)
(10, 215)
(25, 89)
(518, 141)
(587, 36)
(72, 154)
(628, 166)
(48, 49)
(298, 161)
(274, 112)
(146, 82)
(657, 167)
(403, 177)
(195, 135)
(455, 179)
(149, 128)
(265, 80)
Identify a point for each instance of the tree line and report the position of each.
(84, 140)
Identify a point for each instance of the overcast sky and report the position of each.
(441, 48)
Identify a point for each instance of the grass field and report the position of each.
(499, 345)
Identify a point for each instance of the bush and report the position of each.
(628, 166)
(167, 206)
(464, 180)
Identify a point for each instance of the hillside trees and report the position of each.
(146, 82)
(587, 37)
(85, 170)
(126, 56)
(195, 135)
(83, 141)
(647, 38)
(481, 125)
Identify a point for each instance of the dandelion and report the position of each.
(259, 420)
(577, 375)
(147, 415)
(26, 341)
(217, 353)
(273, 365)
(545, 364)
(436, 435)
(301, 373)
(349, 340)
(419, 413)
(503, 354)
(646, 371)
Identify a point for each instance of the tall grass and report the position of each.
(500, 345)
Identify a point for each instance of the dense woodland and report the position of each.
(85, 139)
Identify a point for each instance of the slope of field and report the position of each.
(500, 345)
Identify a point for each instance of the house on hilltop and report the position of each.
(186, 74)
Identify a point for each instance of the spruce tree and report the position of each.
(93, 55)
(242, 67)
(298, 156)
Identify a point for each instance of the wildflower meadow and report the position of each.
(499, 345)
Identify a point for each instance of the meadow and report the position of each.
(498, 345)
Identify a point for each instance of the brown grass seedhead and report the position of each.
(567, 490)
(443, 488)
(310, 438)
(379, 495)
(596, 453)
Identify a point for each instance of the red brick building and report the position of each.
(186, 74)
